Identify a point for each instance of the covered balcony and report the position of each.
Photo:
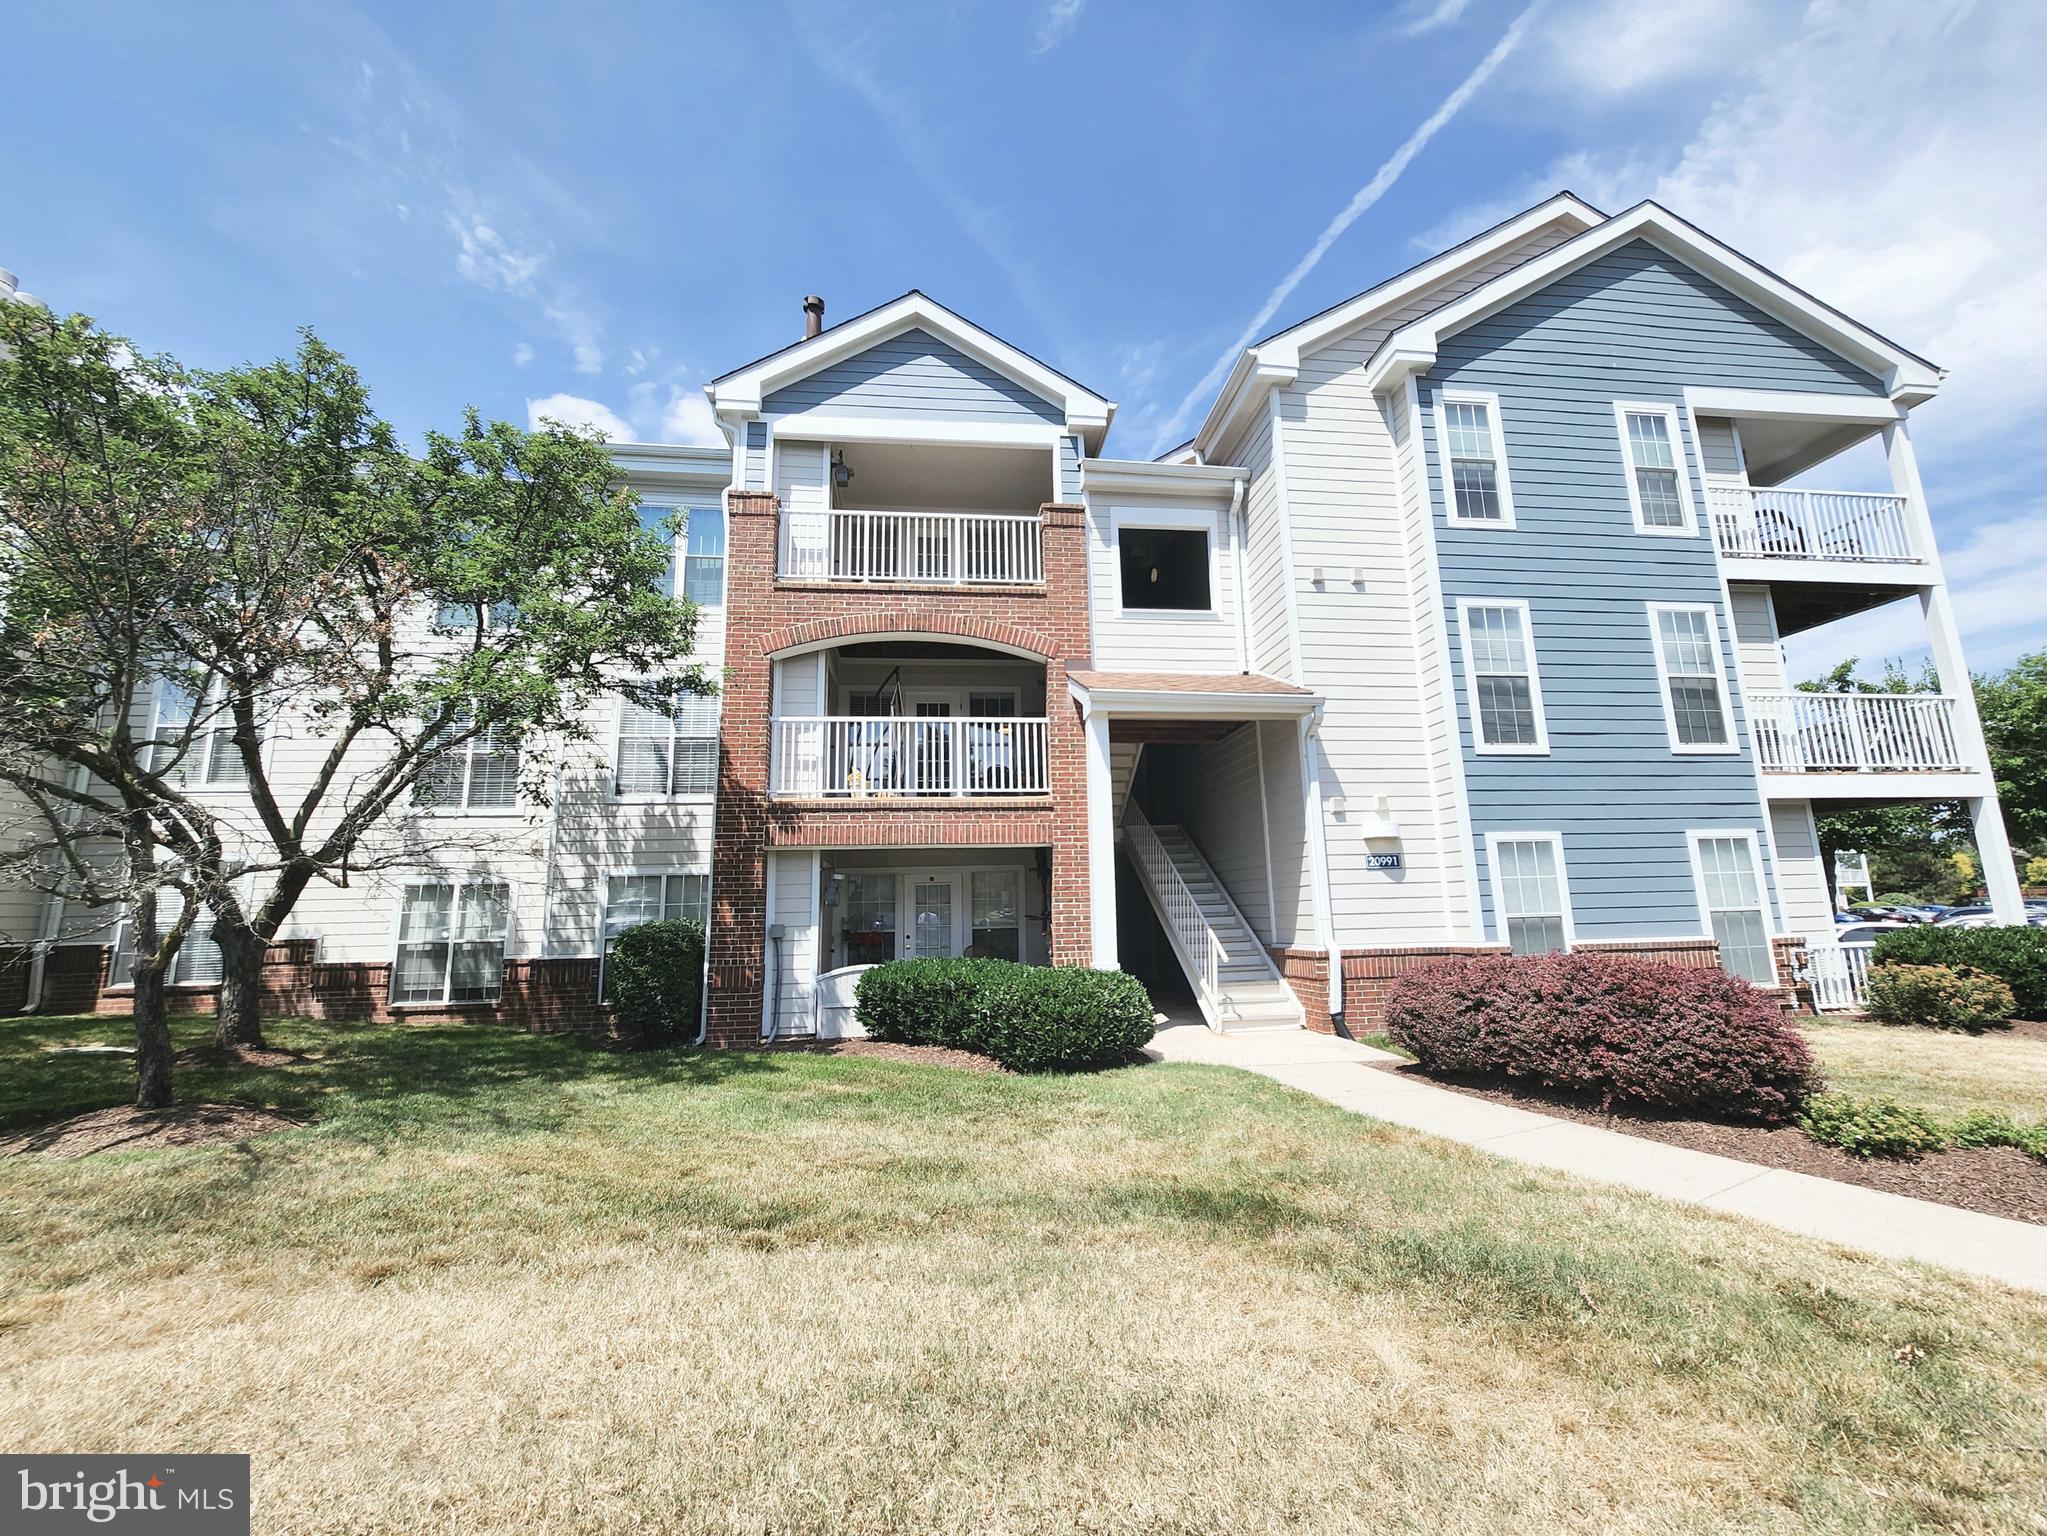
(915, 514)
(889, 721)
(1751, 523)
(1862, 745)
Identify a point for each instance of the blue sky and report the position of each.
(591, 210)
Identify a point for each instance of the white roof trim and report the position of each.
(825, 426)
(740, 394)
(1907, 379)
(1277, 360)
(1183, 704)
(1163, 479)
(648, 461)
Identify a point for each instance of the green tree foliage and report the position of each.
(2013, 704)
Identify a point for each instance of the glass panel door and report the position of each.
(934, 746)
(931, 929)
(867, 924)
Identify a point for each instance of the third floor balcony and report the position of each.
(922, 547)
(1860, 527)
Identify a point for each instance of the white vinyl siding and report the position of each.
(1531, 904)
(1695, 704)
(451, 942)
(1503, 692)
(1659, 492)
(1730, 884)
(1476, 488)
(662, 753)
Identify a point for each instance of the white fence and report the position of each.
(859, 757)
(1811, 525)
(938, 548)
(1198, 945)
(1837, 973)
(1855, 732)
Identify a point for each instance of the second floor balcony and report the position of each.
(862, 758)
(934, 548)
(1856, 733)
(1862, 527)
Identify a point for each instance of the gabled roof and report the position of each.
(738, 395)
(1907, 378)
(1277, 359)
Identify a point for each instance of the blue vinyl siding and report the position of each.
(1634, 325)
(915, 374)
(1069, 469)
(756, 456)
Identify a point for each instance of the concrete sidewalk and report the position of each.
(1896, 1226)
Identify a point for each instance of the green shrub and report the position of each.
(1031, 1018)
(1982, 1128)
(1936, 996)
(2015, 956)
(654, 977)
(1874, 1127)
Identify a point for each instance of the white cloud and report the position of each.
(1382, 180)
(1420, 16)
(1611, 47)
(575, 411)
(1061, 17)
(522, 354)
(688, 419)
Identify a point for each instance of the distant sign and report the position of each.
(1382, 861)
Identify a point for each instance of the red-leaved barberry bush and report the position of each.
(1634, 1033)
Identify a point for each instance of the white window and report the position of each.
(197, 962)
(1166, 569)
(1658, 492)
(1531, 902)
(1501, 687)
(696, 539)
(633, 899)
(452, 613)
(1730, 885)
(663, 753)
(451, 942)
(192, 754)
(1473, 449)
(478, 774)
(1694, 688)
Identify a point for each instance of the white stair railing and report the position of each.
(862, 757)
(1811, 525)
(1200, 950)
(1838, 975)
(926, 548)
(1855, 732)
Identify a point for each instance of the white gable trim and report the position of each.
(1277, 360)
(1907, 379)
(739, 395)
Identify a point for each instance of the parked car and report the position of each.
(1886, 913)
(1983, 917)
(1863, 932)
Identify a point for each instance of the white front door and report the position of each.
(932, 930)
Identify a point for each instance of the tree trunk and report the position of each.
(152, 1039)
(238, 1021)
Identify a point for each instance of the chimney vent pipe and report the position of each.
(813, 315)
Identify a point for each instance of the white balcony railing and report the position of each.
(1838, 975)
(1811, 525)
(851, 757)
(1855, 732)
(936, 548)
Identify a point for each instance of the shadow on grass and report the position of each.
(374, 1077)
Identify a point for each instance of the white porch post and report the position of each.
(1943, 638)
(1101, 840)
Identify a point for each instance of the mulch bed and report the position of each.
(126, 1128)
(1998, 1181)
(239, 1056)
(923, 1055)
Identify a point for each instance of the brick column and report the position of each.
(1065, 544)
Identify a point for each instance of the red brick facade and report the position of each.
(765, 617)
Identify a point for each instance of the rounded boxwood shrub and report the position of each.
(1634, 1033)
(2015, 956)
(1875, 1127)
(1936, 996)
(1031, 1018)
(655, 976)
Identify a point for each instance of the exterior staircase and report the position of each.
(1235, 982)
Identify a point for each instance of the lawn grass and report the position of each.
(505, 1283)
(1943, 1071)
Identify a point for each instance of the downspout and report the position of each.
(1239, 531)
(53, 910)
(775, 987)
(1318, 857)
